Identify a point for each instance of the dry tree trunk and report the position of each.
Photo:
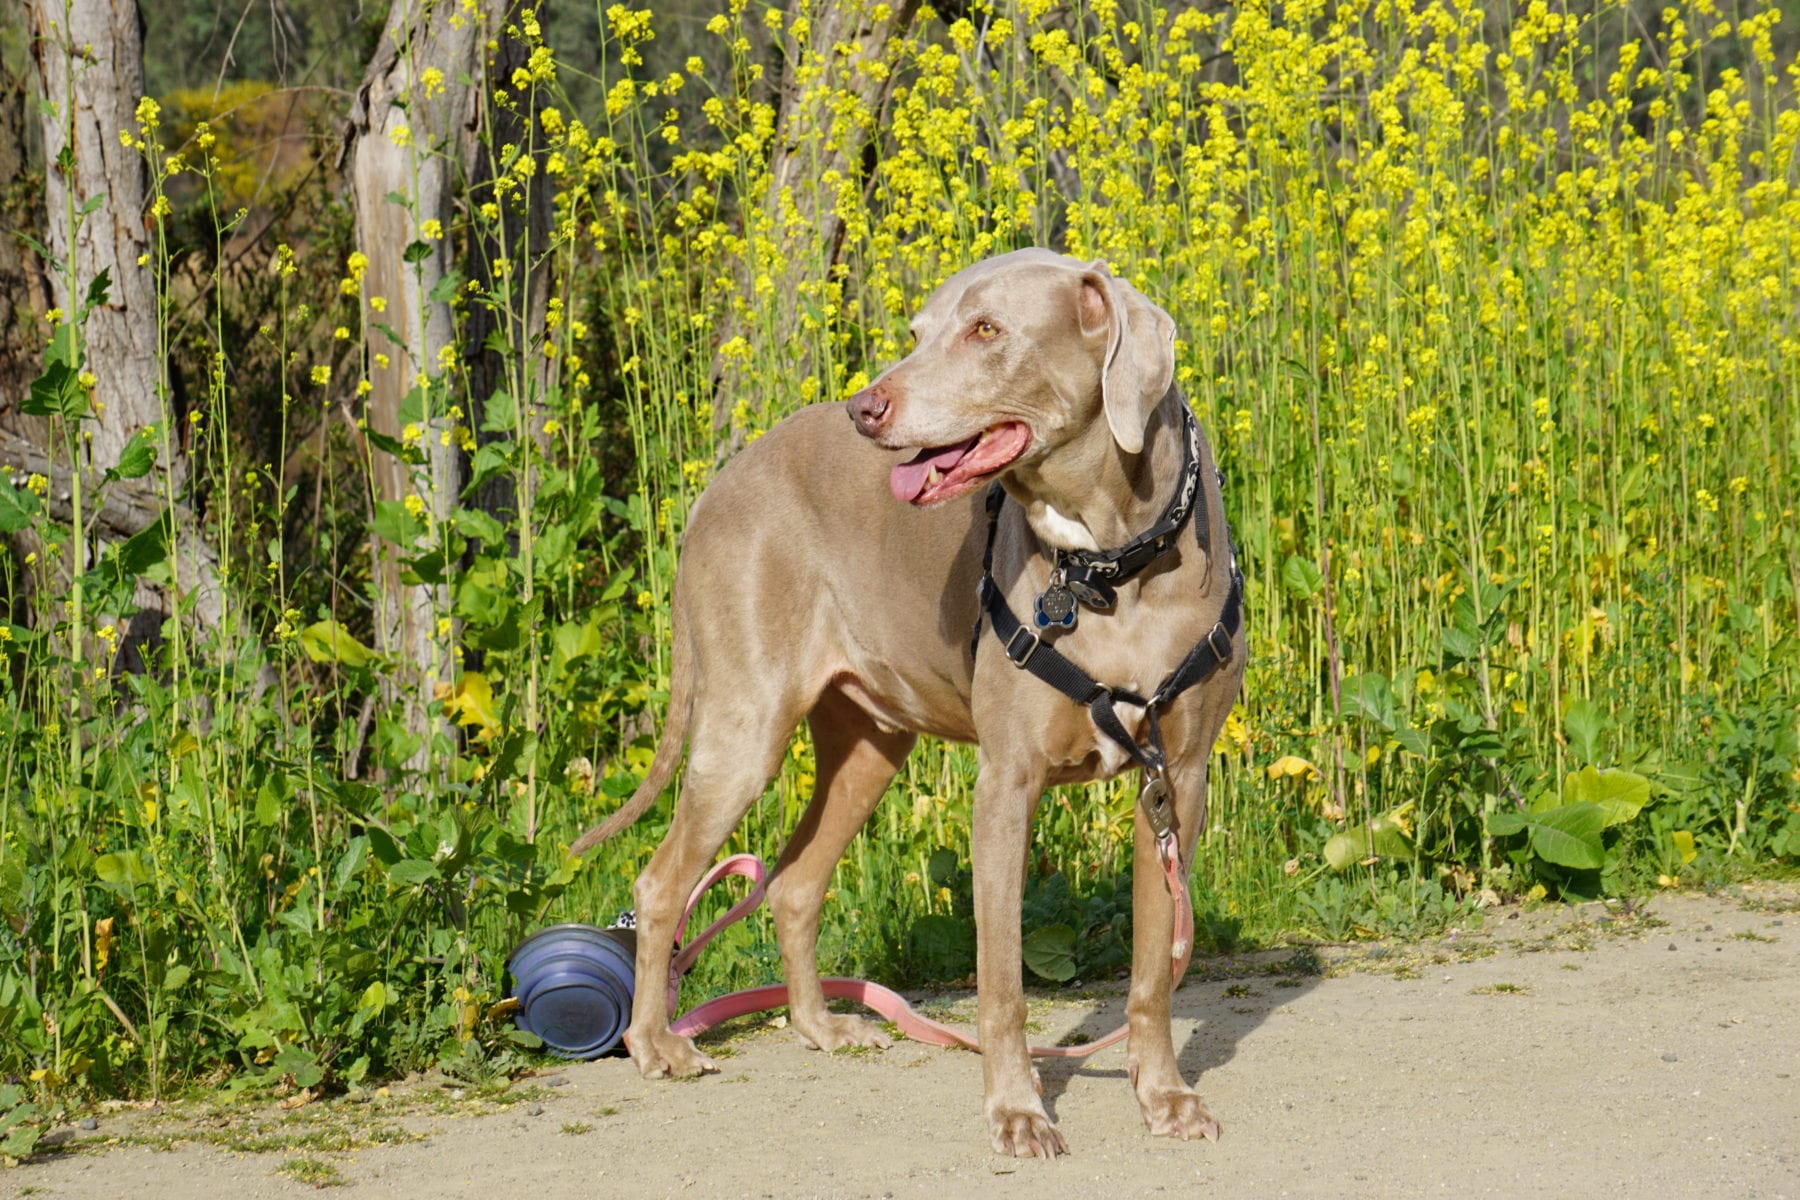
(404, 134)
(831, 109)
(91, 76)
(414, 132)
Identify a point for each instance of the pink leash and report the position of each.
(885, 1001)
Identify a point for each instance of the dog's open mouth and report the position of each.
(937, 473)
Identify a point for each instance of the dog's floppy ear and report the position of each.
(1139, 362)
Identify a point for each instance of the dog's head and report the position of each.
(1016, 359)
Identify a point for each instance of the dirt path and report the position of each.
(1563, 1053)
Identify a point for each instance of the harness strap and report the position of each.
(1025, 649)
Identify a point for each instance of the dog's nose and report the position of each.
(869, 409)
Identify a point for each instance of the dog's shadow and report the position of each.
(1222, 1000)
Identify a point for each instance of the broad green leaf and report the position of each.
(941, 867)
(1301, 577)
(123, 869)
(101, 285)
(416, 252)
(57, 393)
(499, 414)
(175, 978)
(395, 523)
(474, 523)
(1683, 841)
(1619, 793)
(1050, 953)
(1370, 696)
(143, 550)
(1506, 822)
(572, 641)
(1384, 837)
(302, 1066)
(410, 871)
(350, 863)
(1570, 836)
(1584, 723)
(18, 507)
(328, 641)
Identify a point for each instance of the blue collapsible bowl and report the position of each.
(573, 984)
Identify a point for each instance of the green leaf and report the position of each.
(499, 413)
(473, 523)
(65, 347)
(138, 456)
(1301, 577)
(1369, 696)
(175, 978)
(1050, 953)
(941, 867)
(394, 446)
(101, 285)
(141, 551)
(411, 871)
(395, 523)
(445, 289)
(302, 1066)
(1381, 838)
(57, 393)
(1506, 822)
(18, 507)
(1621, 794)
(350, 863)
(122, 870)
(416, 252)
(1584, 722)
(328, 641)
(1570, 836)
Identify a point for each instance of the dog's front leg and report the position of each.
(1006, 796)
(1171, 1108)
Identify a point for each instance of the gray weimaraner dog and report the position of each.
(807, 591)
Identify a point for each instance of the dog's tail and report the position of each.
(668, 748)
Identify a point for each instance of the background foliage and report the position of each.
(1491, 316)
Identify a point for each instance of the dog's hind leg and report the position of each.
(736, 742)
(855, 761)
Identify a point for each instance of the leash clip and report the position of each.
(1155, 801)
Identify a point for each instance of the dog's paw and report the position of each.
(838, 1031)
(1022, 1131)
(664, 1055)
(1178, 1113)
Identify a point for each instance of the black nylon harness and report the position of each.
(1028, 651)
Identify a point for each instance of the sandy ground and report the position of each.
(1576, 1053)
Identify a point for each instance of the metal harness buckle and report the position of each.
(1219, 642)
(1019, 660)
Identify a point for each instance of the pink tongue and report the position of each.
(907, 480)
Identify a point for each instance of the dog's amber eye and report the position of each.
(984, 330)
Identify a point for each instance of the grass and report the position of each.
(1491, 320)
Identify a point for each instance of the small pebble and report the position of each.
(536, 1110)
(1777, 922)
(89, 1124)
(1672, 946)
(558, 1081)
(1671, 1056)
